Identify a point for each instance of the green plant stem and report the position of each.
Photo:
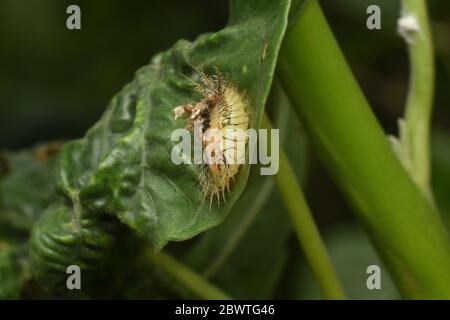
(420, 95)
(305, 228)
(185, 276)
(238, 234)
(354, 149)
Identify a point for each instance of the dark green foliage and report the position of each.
(26, 190)
(122, 168)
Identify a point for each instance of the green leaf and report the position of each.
(63, 237)
(123, 166)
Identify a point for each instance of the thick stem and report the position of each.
(353, 147)
(305, 228)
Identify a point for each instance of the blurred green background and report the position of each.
(55, 83)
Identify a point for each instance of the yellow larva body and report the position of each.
(223, 113)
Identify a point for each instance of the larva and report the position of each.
(223, 115)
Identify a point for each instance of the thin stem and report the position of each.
(185, 276)
(305, 228)
(239, 233)
(421, 87)
(353, 147)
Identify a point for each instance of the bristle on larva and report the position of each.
(223, 114)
